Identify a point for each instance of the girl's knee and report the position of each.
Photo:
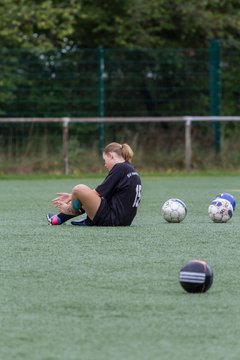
(79, 189)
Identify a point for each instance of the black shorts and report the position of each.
(105, 216)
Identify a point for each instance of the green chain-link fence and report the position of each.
(114, 82)
(118, 82)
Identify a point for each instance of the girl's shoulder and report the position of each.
(126, 169)
(124, 166)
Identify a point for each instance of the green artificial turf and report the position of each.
(86, 293)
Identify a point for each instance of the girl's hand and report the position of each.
(63, 197)
(65, 208)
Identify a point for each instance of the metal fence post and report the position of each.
(188, 150)
(65, 145)
(101, 97)
(215, 89)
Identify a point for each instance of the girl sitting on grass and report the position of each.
(112, 203)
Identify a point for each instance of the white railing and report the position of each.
(154, 119)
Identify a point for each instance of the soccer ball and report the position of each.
(174, 210)
(228, 197)
(220, 210)
(196, 276)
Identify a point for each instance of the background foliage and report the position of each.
(156, 57)
(50, 24)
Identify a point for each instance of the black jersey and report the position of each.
(122, 191)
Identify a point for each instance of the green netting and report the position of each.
(116, 82)
(134, 82)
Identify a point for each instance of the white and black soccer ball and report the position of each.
(228, 197)
(174, 210)
(220, 210)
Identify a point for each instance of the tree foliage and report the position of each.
(42, 41)
(50, 62)
(48, 24)
(37, 25)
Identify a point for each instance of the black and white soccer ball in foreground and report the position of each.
(196, 276)
(174, 210)
(220, 210)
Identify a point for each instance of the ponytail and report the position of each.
(123, 150)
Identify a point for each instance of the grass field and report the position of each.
(74, 293)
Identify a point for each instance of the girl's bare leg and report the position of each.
(86, 198)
